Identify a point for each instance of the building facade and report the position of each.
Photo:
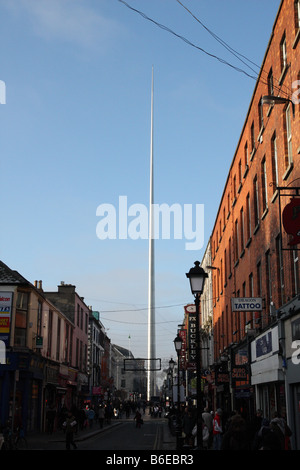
(254, 242)
(33, 371)
(54, 354)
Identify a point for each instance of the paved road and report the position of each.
(120, 435)
(124, 436)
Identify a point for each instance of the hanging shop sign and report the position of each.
(191, 339)
(291, 220)
(182, 355)
(246, 304)
(5, 316)
(289, 217)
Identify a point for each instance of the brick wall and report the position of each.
(248, 255)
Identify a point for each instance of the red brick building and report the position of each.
(249, 245)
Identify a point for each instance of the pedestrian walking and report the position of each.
(217, 430)
(205, 436)
(90, 417)
(138, 419)
(236, 437)
(282, 431)
(101, 416)
(69, 425)
(188, 423)
(208, 421)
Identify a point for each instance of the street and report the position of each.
(124, 436)
(121, 434)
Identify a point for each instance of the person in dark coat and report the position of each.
(70, 426)
(236, 438)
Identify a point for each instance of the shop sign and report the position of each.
(222, 377)
(39, 342)
(182, 334)
(192, 341)
(5, 316)
(246, 304)
(239, 373)
(264, 345)
(291, 220)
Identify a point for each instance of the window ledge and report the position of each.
(296, 39)
(283, 73)
(274, 197)
(264, 213)
(288, 171)
(252, 154)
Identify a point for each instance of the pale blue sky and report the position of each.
(75, 133)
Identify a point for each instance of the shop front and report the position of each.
(242, 391)
(21, 390)
(267, 376)
(291, 349)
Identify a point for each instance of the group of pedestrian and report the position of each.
(235, 433)
(260, 434)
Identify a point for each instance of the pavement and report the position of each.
(165, 439)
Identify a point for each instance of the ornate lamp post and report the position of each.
(170, 374)
(197, 277)
(178, 345)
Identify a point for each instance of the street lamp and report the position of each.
(272, 100)
(197, 277)
(171, 368)
(178, 345)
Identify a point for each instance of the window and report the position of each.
(221, 276)
(39, 318)
(86, 323)
(234, 188)
(288, 142)
(50, 325)
(246, 156)
(58, 339)
(71, 345)
(258, 277)
(251, 291)
(274, 160)
(242, 229)
(248, 216)
(283, 54)
(264, 185)
(252, 139)
(21, 318)
(229, 255)
(256, 202)
(270, 83)
(66, 342)
(260, 115)
(77, 353)
(240, 172)
(280, 272)
(268, 277)
(236, 240)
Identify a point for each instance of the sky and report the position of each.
(75, 135)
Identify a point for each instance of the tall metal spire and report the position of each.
(151, 383)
